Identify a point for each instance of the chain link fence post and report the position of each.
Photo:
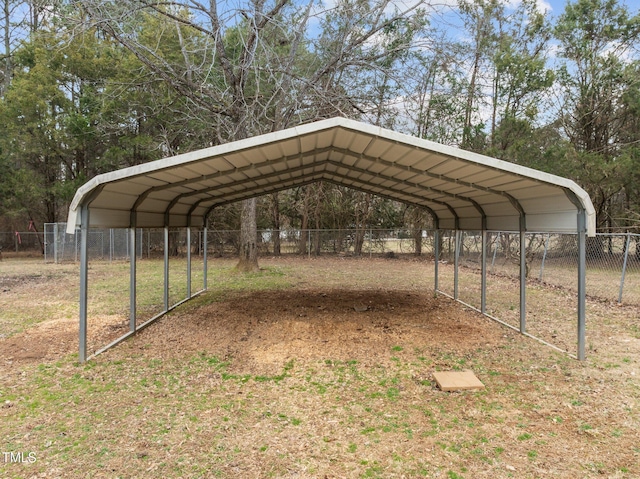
(624, 266)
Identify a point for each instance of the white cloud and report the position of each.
(541, 5)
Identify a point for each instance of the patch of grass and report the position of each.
(454, 475)
(126, 413)
(392, 394)
(32, 293)
(374, 470)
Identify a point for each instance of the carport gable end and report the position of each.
(461, 189)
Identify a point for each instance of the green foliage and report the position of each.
(597, 38)
(154, 81)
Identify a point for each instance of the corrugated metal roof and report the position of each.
(461, 189)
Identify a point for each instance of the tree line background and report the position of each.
(87, 87)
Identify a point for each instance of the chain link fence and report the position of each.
(551, 259)
(21, 242)
(613, 260)
(111, 244)
(313, 242)
(114, 244)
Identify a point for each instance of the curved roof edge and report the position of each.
(91, 190)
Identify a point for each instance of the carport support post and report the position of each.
(188, 262)
(456, 262)
(204, 258)
(132, 275)
(436, 254)
(483, 273)
(523, 283)
(166, 269)
(84, 273)
(582, 282)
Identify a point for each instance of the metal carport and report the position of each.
(460, 189)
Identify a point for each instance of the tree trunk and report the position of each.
(362, 214)
(304, 235)
(317, 240)
(359, 241)
(248, 258)
(318, 218)
(417, 241)
(416, 217)
(468, 111)
(275, 213)
(6, 80)
(304, 225)
(173, 244)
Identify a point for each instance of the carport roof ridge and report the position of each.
(461, 189)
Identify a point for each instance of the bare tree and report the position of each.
(18, 19)
(479, 16)
(255, 66)
(6, 41)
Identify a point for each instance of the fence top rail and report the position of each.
(602, 233)
(289, 229)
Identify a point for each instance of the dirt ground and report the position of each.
(583, 416)
(266, 329)
(320, 316)
(336, 307)
(270, 327)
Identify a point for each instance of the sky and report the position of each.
(556, 7)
